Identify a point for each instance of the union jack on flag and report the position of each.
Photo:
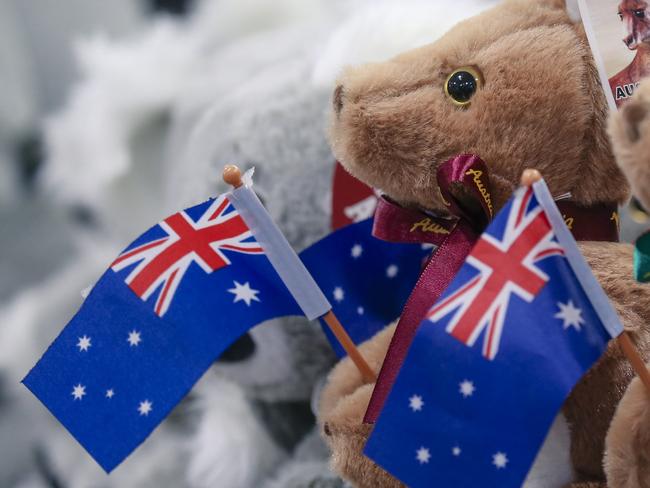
(507, 266)
(463, 417)
(163, 261)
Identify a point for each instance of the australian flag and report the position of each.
(169, 305)
(497, 355)
(180, 294)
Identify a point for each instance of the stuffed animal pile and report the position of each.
(535, 101)
(154, 118)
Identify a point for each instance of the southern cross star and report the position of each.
(244, 293)
(500, 460)
(416, 403)
(145, 407)
(78, 392)
(392, 271)
(570, 315)
(466, 388)
(84, 343)
(423, 455)
(134, 338)
(339, 295)
(356, 251)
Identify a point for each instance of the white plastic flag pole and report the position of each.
(528, 178)
(288, 265)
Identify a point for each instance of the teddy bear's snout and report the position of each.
(337, 99)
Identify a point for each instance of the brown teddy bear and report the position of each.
(630, 133)
(517, 86)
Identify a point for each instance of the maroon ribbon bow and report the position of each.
(465, 186)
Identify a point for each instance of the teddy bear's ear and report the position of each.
(573, 10)
(571, 7)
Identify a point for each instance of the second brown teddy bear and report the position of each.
(630, 132)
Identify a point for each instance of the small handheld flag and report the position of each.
(167, 307)
(497, 355)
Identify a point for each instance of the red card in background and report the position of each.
(352, 200)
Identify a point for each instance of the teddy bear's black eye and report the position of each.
(462, 84)
(640, 14)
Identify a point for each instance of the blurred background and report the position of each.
(115, 114)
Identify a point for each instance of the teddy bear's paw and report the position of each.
(630, 132)
(343, 404)
(627, 457)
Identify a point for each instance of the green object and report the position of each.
(642, 259)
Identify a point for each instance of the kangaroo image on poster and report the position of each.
(619, 35)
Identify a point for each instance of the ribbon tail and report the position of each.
(443, 265)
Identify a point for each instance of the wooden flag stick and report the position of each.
(531, 176)
(632, 353)
(350, 347)
(232, 176)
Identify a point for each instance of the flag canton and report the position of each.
(119, 367)
(517, 267)
(159, 259)
(463, 415)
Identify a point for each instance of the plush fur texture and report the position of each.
(627, 462)
(540, 106)
(629, 131)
